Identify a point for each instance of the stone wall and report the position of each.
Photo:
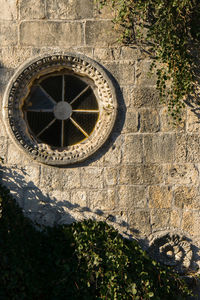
(145, 179)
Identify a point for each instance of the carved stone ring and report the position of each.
(60, 109)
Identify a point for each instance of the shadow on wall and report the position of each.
(169, 248)
(48, 211)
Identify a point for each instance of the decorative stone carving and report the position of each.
(19, 89)
(172, 250)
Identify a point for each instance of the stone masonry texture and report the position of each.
(145, 179)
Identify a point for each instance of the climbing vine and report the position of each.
(170, 30)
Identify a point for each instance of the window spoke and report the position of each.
(79, 127)
(48, 96)
(80, 94)
(62, 133)
(63, 88)
(85, 110)
(46, 127)
(39, 109)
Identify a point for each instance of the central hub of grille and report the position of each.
(62, 110)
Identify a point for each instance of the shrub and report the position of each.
(86, 260)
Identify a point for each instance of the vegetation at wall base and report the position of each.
(173, 38)
(86, 260)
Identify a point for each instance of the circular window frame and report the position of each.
(19, 88)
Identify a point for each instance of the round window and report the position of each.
(60, 109)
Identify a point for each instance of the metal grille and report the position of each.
(61, 110)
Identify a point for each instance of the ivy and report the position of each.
(170, 29)
(86, 260)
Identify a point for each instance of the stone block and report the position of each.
(105, 54)
(12, 57)
(132, 149)
(8, 33)
(110, 176)
(175, 219)
(79, 198)
(59, 179)
(193, 148)
(166, 121)
(181, 148)
(144, 97)
(15, 156)
(32, 9)
(152, 174)
(191, 222)
(149, 120)
(3, 148)
(141, 174)
(143, 75)
(106, 12)
(139, 222)
(123, 72)
(159, 148)
(8, 10)
(69, 9)
(113, 155)
(100, 33)
(102, 200)
(92, 177)
(181, 173)
(193, 124)
(131, 175)
(132, 197)
(160, 219)
(186, 197)
(160, 197)
(62, 34)
(131, 122)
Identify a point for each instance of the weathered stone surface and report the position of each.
(92, 177)
(100, 200)
(149, 120)
(104, 13)
(113, 155)
(166, 121)
(8, 33)
(181, 173)
(8, 10)
(132, 149)
(141, 174)
(131, 122)
(33, 33)
(131, 174)
(175, 220)
(152, 174)
(181, 148)
(160, 218)
(123, 72)
(193, 124)
(100, 33)
(191, 222)
(186, 197)
(139, 222)
(32, 9)
(193, 148)
(132, 197)
(69, 9)
(3, 148)
(160, 197)
(21, 54)
(159, 148)
(144, 97)
(143, 75)
(110, 176)
(15, 156)
(59, 179)
(79, 197)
